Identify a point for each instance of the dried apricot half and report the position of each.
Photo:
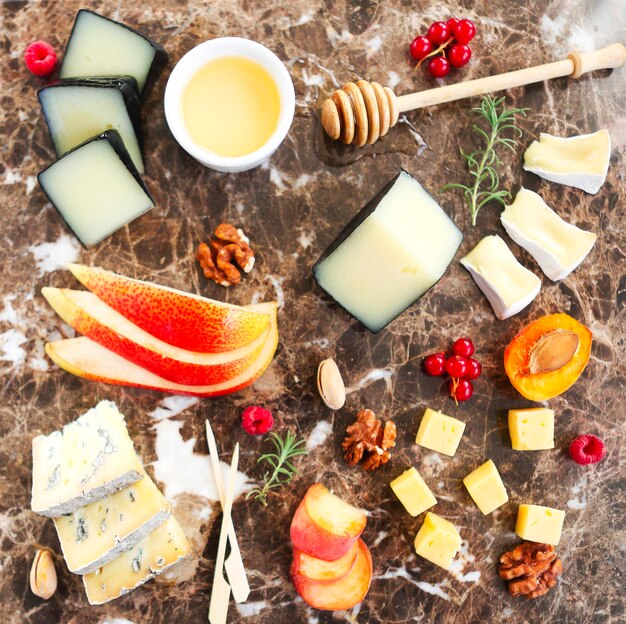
(547, 356)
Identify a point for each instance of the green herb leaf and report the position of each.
(283, 470)
(481, 163)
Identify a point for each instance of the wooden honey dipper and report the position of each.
(362, 112)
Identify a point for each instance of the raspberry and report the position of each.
(587, 449)
(40, 58)
(257, 420)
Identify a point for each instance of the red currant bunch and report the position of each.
(460, 366)
(445, 44)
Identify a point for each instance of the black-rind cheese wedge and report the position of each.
(77, 109)
(390, 254)
(100, 46)
(96, 188)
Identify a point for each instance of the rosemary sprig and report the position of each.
(482, 163)
(280, 461)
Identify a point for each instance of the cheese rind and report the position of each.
(390, 254)
(531, 429)
(88, 459)
(96, 188)
(486, 488)
(438, 541)
(557, 246)
(580, 161)
(413, 492)
(97, 533)
(161, 549)
(539, 524)
(508, 285)
(439, 432)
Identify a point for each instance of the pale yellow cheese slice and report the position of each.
(557, 246)
(508, 285)
(580, 161)
(161, 549)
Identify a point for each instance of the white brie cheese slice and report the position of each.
(88, 459)
(557, 246)
(161, 549)
(508, 285)
(97, 533)
(580, 161)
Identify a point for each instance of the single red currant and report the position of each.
(438, 33)
(439, 67)
(452, 24)
(464, 347)
(456, 366)
(435, 364)
(420, 47)
(459, 54)
(474, 369)
(461, 390)
(464, 31)
(40, 58)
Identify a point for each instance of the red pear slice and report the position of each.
(93, 318)
(181, 319)
(341, 594)
(85, 358)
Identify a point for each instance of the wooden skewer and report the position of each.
(362, 112)
(235, 569)
(220, 594)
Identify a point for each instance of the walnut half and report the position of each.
(369, 440)
(531, 569)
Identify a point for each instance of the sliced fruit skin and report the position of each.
(194, 323)
(546, 385)
(343, 593)
(324, 571)
(87, 359)
(93, 318)
(315, 534)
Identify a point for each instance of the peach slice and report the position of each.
(324, 526)
(98, 321)
(85, 358)
(193, 322)
(324, 571)
(344, 593)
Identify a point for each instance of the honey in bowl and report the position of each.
(231, 106)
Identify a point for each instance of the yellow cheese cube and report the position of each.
(486, 488)
(539, 524)
(413, 492)
(438, 541)
(439, 432)
(531, 429)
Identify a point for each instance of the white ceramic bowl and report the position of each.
(200, 56)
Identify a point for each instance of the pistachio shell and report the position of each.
(330, 384)
(43, 575)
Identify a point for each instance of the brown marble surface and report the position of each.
(292, 209)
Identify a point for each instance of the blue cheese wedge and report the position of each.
(580, 161)
(508, 285)
(390, 254)
(99, 532)
(100, 46)
(96, 188)
(88, 459)
(77, 109)
(557, 246)
(160, 550)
